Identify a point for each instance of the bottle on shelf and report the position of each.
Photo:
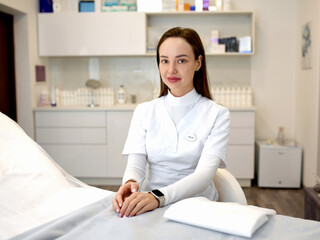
(280, 137)
(53, 97)
(199, 5)
(122, 95)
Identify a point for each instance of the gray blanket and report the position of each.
(100, 221)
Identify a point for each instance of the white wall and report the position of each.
(26, 57)
(284, 94)
(272, 75)
(307, 92)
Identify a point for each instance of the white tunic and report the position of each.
(178, 145)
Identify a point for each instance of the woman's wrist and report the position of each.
(130, 180)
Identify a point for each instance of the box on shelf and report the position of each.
(86, 6)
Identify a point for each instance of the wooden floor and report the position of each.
(289, 202)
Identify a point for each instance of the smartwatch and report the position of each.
(159, 196)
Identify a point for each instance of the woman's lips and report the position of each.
(173, 79)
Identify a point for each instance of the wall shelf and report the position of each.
(132, 33)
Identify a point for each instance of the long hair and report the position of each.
(200, 79)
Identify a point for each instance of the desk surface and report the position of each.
(99, 221)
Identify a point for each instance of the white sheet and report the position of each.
(232, 218)
(33, 188)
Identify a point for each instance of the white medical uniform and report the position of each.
(177, 145)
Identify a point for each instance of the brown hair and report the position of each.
(200, 79)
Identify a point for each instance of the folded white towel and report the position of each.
(232, 218)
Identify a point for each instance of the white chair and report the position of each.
(228, 187)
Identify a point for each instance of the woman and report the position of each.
(183, 134)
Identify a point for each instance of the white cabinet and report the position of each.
(118, 123)
(76, 140)
(240, 155)
(131, 33)
(279, 166)
(91, 34)
(89, 143)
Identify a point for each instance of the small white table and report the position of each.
(278, 165)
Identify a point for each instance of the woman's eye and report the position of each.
(181, 61)
(164, 61)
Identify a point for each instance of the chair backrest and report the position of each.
(228, 187)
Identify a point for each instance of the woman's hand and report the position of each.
(138, 203)
(124, 191)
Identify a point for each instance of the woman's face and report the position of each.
(177, 65)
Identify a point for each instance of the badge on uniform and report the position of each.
(191, 137)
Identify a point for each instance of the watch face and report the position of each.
(157, 193)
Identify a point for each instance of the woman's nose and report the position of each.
(173, 68)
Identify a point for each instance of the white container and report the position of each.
(53, 97)
(122, 95)
(199, 5)
(219, 4)
(150, 6)
(180, 5)
(227, 5)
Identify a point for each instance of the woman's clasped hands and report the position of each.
(129, 202)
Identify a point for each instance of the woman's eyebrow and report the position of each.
(178, 56)
(182, 55)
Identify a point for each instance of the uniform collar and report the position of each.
(188, 99)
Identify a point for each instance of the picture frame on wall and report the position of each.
(40, 74)
(306, 46)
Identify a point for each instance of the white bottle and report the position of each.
(219, 4)
(228, 97)
(280, 137)
(227, 5)
(222, 96)
(53, 97)
(249, 97)
(199, 5)
(232, 96)
(122, 95)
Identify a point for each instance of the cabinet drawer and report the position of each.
(80, 160)
(277, 155)
(71, 135)
(70, 119)
(241, 119)
(240, 161)
(241, 136)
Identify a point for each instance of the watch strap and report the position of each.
(160, 197)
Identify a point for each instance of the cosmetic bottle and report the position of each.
(199, 5)
(219, 4)
(53, 97)
(205, 5)
(280, 137)
(227, 5)
(122, 95)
